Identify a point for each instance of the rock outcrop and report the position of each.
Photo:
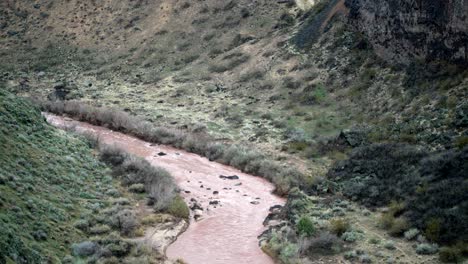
(404, 30)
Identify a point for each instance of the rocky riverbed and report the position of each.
(228, 207)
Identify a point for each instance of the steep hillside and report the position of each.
(359, 95)
(48, 180)
(55, 193)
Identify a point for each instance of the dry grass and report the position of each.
(243, 158)
(159, 185)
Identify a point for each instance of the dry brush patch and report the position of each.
(240, 157)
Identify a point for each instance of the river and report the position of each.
(227, 231)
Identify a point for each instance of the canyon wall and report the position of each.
(403, 30)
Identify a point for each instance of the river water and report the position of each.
(228, 228)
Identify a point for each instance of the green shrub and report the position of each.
(411, 234)
(398, 227)
(324, 243)
(288, 252)
(178, 208)
(374, 240)
(390, 245)
(426, 249)
(350, 255)
(137, 188)
(461, 142)
(82, 224)
(84, 249)
(450, 255)
(305, 227)
(137, 172)
(432, 231)
(338, 226)
(126, 221)
(396, 207)
(99, 229)
(290, 83)
(351, 236)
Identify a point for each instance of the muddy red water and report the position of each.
(227, 232)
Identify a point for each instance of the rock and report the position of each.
(161, 154)
(214, 202)
(187, 191)
(353, 138)
(238, 184)
(255, 202)
(275, 208)
(215, 192)
(201, 186)
(274, 215)
(64, 91)
(402, 30)
(233, 177)
(196, 206)
(197, 214)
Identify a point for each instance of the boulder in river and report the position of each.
(197, 214)
(195, 206)
(233, 177)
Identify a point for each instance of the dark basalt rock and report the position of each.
(64, 91)
(353, 138)
(233, 177)
(404, 30)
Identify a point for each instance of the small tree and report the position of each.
(305, 227)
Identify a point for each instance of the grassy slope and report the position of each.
(46, 179)
(358, 87)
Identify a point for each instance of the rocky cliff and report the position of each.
(424, 29)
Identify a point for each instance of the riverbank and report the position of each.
(229, 205)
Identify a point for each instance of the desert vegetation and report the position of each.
(423, 190)
(247, 160)
(52, 195)
(381, 144)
